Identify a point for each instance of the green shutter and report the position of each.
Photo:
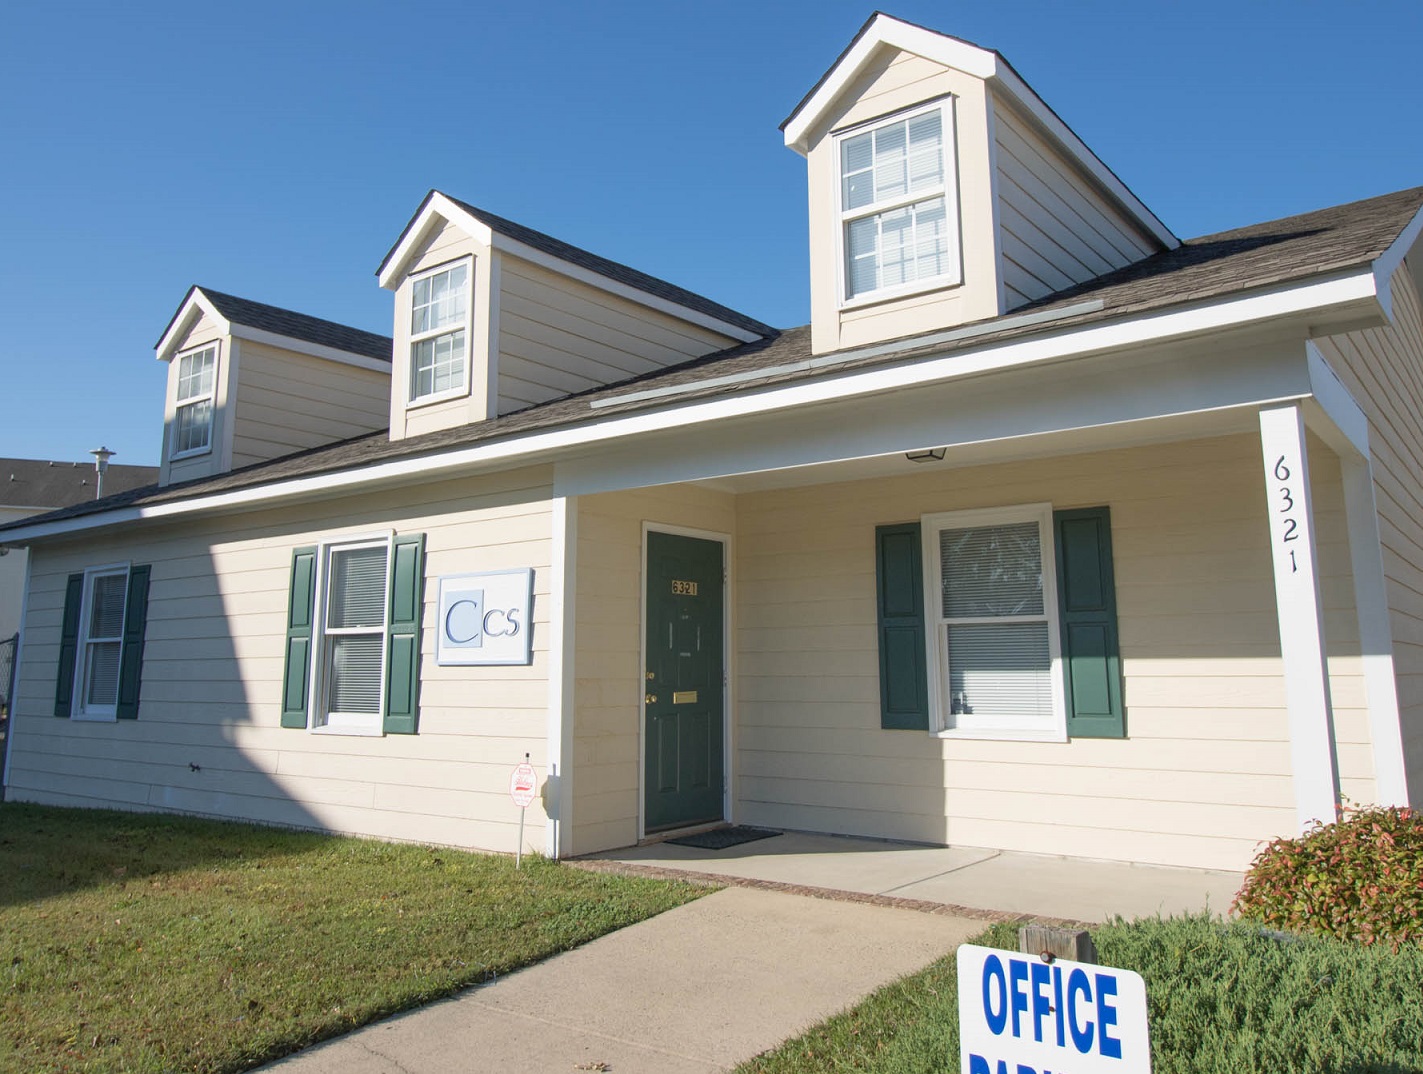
(131, 654)
(301, 607)
(1087, 604)
(402, 680)
(68, 646)
(899, 576)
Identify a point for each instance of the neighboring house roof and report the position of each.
(43, 484)
(289, 323)
(1226, 265)
(575, 255)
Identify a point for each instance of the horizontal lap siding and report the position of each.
(1056, 228)
(290, 402)
(608, 671)
(1383, 369)
(1205, 773)
(212, 679)
(558, 336)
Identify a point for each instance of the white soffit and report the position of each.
(885, 31)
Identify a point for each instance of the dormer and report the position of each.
(492, 317)
(943, 191)
(248, 382)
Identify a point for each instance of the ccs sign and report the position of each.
(1021, 1015)
(484, 618)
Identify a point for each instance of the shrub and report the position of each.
(1359, 878)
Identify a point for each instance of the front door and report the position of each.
(683, 761)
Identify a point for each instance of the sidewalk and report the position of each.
(698, 989)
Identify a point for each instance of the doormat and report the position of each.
(721, 838)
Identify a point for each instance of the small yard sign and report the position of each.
(522, 784)
(1019, 1014)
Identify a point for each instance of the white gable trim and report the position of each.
(1344, 290)
(440, 210)
(196, 306)
(302, 346)
(1390, 260)
(887, 32)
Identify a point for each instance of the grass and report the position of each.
(1223, 1000)
(135, 943)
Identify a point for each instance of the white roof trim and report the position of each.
(1389, 261)
(538, 446)
(302, 346)
(197, 305)
(441, 209)
(886, 31)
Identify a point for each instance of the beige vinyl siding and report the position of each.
(608, 671)
(1056, 228)
(1205, 772)
(212, 678)
(288, 402)
(1383, 369)
(558, 336)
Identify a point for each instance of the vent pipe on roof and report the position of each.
(102, 455)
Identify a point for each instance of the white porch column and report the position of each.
(1311, 720)
(563, 585)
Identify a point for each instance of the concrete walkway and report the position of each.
(700, 988)
(1073, 888)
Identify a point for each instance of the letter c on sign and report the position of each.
(462, 622)
(993, 972)
(497, 624)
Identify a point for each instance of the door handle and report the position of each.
(651, 698)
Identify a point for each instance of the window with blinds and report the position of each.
(996, 615)
(894, 204)
(357, 583)
(102, 642)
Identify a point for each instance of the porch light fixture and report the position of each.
(927, 455)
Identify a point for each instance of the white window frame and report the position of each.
(78, 709)
(415, 338)
(948, 190)
(322, 721)
(180, 404)
(941, 717)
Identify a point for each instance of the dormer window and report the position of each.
(439, 333)
(192, 419)
(898, 208)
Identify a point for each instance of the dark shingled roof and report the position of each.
(1218, 266)
(44, 484)
(291, 324)
(613, 270)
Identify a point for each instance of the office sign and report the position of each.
(1021, 1015)
(484, 618)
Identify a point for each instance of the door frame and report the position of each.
(724, 539)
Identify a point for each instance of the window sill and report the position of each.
(439, 397)
(1004, 734)
(95, 717)
(348, 732)
(191, 453)
(920, 287)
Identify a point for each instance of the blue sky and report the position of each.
(275, 150)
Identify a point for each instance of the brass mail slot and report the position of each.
(683, 589)
(683, 697)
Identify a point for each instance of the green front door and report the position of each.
(684, 760)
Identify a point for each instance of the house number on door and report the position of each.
(684, 589)
(1286, 507)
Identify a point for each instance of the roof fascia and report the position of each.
(1389, 261)
(504, 244)
(886, 31)
(194, 306)
(302, 346)
(1341, 289)
(436, 209)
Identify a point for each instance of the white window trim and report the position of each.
(950, 194)
(414, 337)
(211, 397)
(319, 720)
(936, 640)
(78, 710)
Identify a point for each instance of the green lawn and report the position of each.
(136, 943)
(1223, 1000)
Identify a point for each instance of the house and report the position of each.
(1051, 532)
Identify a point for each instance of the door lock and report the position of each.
(651, 698)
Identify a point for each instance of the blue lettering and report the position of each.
(997, 1018)
(1111, 1047)
(1077, 983)
(1023, 1068)
(1057, 1004)
(977, 1064)
(1042, 977)
(1018, 976)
